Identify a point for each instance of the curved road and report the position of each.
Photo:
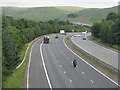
(51, 66)
(102, 53)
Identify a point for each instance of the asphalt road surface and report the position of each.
(51, 66)
(104, 54)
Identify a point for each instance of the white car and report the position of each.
(77, 35)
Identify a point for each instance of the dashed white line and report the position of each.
(90, 64)
(70, 80)
(65, 72)
(83, 73)
(60, 65)
(92, 81)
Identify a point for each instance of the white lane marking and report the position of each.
(60, 65)
(70, 80)
(103, 47)
(92, 81)
(83, 73)
(24, 56)
(84, 49)
(29, 66)
(64, 72)
(45, 67)
(89, 64)
(26, 53)
(90, 52)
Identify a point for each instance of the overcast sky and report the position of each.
(44, 3)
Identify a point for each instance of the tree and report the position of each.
(95, 29)
(114, 33)
(112, 16)
(106, 26)
(71, 15)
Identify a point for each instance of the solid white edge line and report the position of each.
(45, 67)
(25, 54)
(29, 66)
(90, 53)
(83, 73)
(84, 49)
(89, 64)
(103, 47)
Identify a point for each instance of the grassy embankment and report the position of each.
(15, 80)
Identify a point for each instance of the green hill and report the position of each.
(84, 15)
(93, 15)
(39, 13)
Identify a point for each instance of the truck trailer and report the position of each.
(62, 32)
(84, 35)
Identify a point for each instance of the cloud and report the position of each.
(44, 3)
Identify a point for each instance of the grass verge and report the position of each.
(111, 73)
(16, 78)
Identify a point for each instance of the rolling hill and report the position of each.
(93, 14)
(39, 13)
(84, 15)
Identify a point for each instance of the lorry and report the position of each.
(62, 32)
(84, 35)
(46, 39)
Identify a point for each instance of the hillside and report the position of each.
(39, 13)
(93, 15)
(70, 9)
(84, 15)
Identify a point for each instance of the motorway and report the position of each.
(50, 66)
(102, 53)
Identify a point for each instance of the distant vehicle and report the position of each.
(56, 36)
(74, 63)
(62, 32)
(46, 39)
(77, 35)
(84, 35)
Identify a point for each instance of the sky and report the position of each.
(49, 3)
